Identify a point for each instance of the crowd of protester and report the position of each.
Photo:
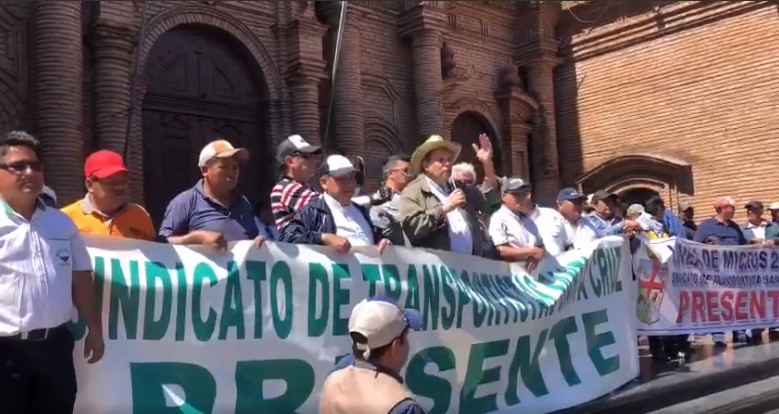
(425, 200)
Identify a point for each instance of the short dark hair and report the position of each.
(376, 353)
(19, 139)
(654, 205)
(392, 160)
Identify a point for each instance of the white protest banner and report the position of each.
(687, 287)
(189, 330)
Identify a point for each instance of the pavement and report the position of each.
(713, 380)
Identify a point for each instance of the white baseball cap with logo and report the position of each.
(221, 149)
(380, 321)
(337, 166)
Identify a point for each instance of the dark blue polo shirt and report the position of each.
(728, 233)
(194, 210)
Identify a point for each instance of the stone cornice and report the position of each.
(422, 17)
(104, 29)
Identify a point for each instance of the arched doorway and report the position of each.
(637, 195)
(201, 85)
(466, 129)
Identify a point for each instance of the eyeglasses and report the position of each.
(22, 166)
(406, 171)
(302, 155)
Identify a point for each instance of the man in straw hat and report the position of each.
(435, 212)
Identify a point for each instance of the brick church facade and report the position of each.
(678, 98)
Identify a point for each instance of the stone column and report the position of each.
(58, 97)
(423, 23)
(112, 46)
(541, 85)
(347, 131)
(520, 165)
(304, 74)
(517, 112)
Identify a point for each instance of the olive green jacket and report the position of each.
(424, 222)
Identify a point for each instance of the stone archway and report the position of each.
(201, 84)
(637, 195)
(465, 131)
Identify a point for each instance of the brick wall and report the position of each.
(691, 80)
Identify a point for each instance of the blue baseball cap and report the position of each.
(380, 320)
(569, 194)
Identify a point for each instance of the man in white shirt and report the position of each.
(513, 232)
(581, 231)
(334, 219)
(44, 270)
(549, 224)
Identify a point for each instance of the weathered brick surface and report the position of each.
(691, 81)
(696, 81)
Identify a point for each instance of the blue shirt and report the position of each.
(194, 210)
(728, 234)
(606, 227)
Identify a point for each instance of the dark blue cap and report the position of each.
(569, 194)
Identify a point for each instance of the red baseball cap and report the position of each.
(103, 164)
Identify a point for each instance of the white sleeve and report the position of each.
(78, 249)
(497, 230)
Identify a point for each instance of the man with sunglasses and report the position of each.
(385, 201)
(297, 166)
(105, 210)
(45, 270)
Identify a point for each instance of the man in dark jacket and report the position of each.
(334, 219)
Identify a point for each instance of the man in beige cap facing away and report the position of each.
(212, 212)
(372, 384)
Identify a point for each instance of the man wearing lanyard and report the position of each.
(44, 270)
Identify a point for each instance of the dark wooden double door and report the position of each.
(201, 86)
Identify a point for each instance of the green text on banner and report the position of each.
(252, 330)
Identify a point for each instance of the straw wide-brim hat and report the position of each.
(431, 144)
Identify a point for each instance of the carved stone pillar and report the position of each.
(537, 53)
(541, 85)
(423, 23)
(347, 131)
(517, 114)
(112, 45)
(58, 97)
(305, 71)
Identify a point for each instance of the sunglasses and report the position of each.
(302, 155)
(22, 166)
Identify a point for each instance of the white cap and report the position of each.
(381, 321)
(221, 149)
(337, 166)
(773, 206)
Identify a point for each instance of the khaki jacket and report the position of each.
(424, 222)
(363, 390)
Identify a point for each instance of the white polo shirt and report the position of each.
(514, 230)
(552, 228)
(350, 223)
(37, 261)
(583, 234)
